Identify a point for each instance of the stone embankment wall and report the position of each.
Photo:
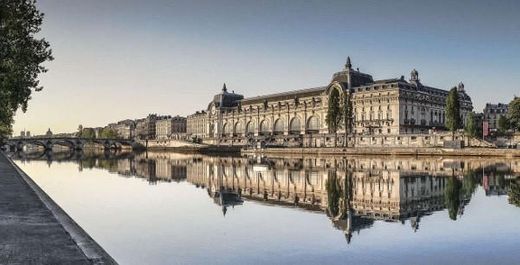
(395, 151)
(169, 143)
(333, 140)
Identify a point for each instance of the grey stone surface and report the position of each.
(29, 232)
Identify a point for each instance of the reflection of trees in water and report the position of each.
(88, 162)
(458, 192)
(470, 182)
(333, 193)
(108, 164)
(514, 192)
(452, 196)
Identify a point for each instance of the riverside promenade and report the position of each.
(35, 230)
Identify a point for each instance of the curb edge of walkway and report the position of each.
(90, 248)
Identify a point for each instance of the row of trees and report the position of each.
(90, 133)
(21, 57)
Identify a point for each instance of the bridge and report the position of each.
(73, 143)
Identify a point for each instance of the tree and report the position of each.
(503, 124)
(108, 133)
(347, 115)
(471, 128)
(21, 57)
(514, 113)
(88, 133)
(453, 120)
(334, 114)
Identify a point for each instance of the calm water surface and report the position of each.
(166, 208)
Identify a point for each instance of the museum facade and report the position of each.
(295, 118)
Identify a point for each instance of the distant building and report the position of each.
(48, 133)
(125, 128)
(166, 127)
(28, 134)
(493, 112)
(145, 128)
(196, 125)
(22, 134)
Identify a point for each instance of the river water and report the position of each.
(167, 208)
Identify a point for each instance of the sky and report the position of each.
(116, 60)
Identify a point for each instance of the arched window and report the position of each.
(295, 125)
(225, 129)
(264, 127)
(279, 126)
(313, 124)
(251, 127)
(238, 128)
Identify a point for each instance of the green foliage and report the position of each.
(108, 133)
(452, 197)
(21, 57)
(347, 112)
(453, 120)
(333, 193)
(470, 183)
(471, 128)
(514, 113)
(334, 113)
(503, 124)
(88, 133)
(513, 192)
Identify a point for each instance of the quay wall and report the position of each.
(333, 140)
(376, 151)
(36, 238)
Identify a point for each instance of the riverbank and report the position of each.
(205, 150)
(444, 152)
(35, 230)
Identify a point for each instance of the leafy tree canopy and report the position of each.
(514, 113)
(471, 128)
(108, 133)
(21, 57)
(453, 119)
(87, 133)
(334, 113)
(503, 124)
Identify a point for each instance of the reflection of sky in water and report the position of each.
(176, 223)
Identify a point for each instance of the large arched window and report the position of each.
(313, 124)
(264, 127)
(279, 126)
(295, 125)
(238, 128)
(225, 129)
(251, 127)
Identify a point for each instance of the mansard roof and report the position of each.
(225, 99)
(314, 91)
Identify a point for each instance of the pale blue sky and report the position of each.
(124, 59)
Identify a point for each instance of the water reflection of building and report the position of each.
(397, 189)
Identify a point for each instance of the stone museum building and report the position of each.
(380, 107)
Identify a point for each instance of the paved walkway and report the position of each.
(29, 232)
